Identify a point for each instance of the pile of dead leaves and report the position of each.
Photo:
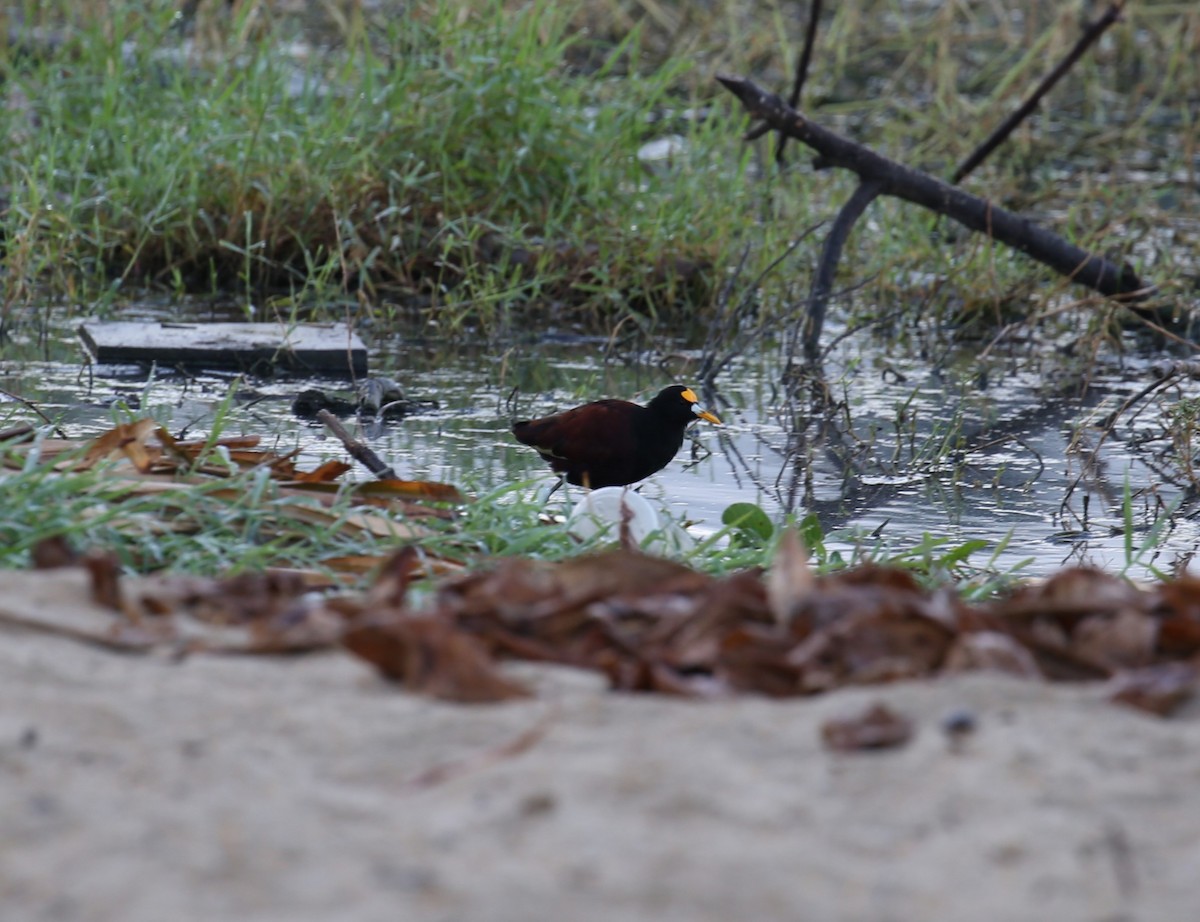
(653, 625)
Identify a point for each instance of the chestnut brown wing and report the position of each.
(598, 439)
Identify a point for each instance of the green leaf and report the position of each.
(750, 520)
(963, 551)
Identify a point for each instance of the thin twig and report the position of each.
(1005, 128)
(810, 38)
(32, 406)
(517, 745)
(735, 337)
(1167, 374)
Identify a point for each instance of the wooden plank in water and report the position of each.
(328, 348)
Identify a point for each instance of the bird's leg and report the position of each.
(542, 498)
(558, 483)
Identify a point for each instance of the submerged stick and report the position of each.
(356, 449)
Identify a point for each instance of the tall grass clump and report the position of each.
(477, 163)
(446, 159)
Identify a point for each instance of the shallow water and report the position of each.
(1010, 484)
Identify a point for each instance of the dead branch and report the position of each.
(971, 211)
(822, 285)
(358, 451)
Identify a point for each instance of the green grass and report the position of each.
(455, 165)
(477, 163)
(474, 166)
(243, 522)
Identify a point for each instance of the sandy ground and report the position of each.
(141, 790)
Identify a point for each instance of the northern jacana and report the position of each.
(613, 443)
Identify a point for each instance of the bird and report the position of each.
(614, 443)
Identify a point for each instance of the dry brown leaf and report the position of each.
(525, 589)
(130, 441)
(1071, 595)
(885, 635)
(393, 579)
(105, 572)
(1177, 606)
(21, 432)
(1125, 639)
(252, 596)
(651, 624)
(427, 654)
(1080, 624)
(694, 642)
(410, 489)
(53, 552)
(754, 658)
(866, 589)
(1156, 689)
(867, 653)
(878, 727)
(48, 450)
(272, 611)
(993, 651)
(789, 580)
(325, 473)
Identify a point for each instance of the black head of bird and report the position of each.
(612, 443)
